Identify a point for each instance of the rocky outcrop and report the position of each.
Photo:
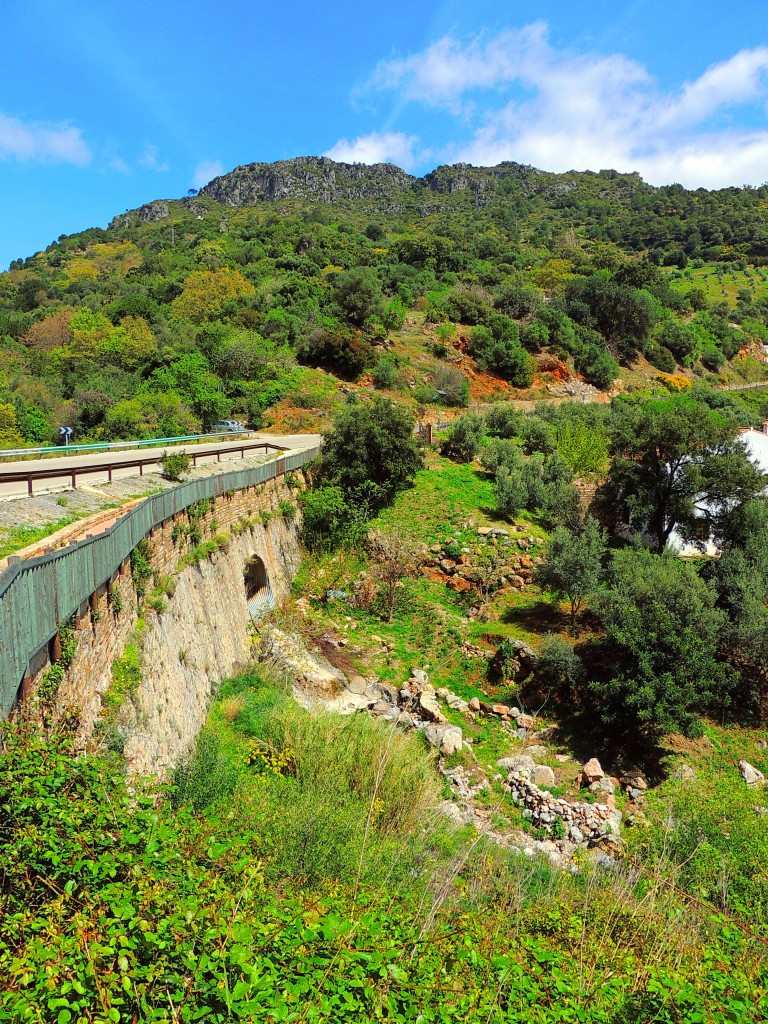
(147, 214)
(315, 178)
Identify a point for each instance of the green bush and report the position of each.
(452, 381)
(465, 437)
(385, 372)
(328, 519)
(175, 465)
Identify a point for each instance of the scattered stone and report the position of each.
(454, 813)
(381, 708)
(419, 676)
(429, 708)
(683, 773)
(447, 738)
(542, 775)
(513, 660)
(524, 722)
(474, 704)
(357, 684)
(592, 771)
(562, 758)
(520, 763)
(604, 785)
(751, 775)
(536, 750)
(484, 531)
(634, 780)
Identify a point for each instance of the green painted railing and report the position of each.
(38, 595)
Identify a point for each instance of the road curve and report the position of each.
(129, 461)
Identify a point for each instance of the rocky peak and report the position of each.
(314, 178)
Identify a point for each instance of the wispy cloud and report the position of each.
(515, 97)
(32, 141)
(205, 171)
(150, 159)
(377, 148)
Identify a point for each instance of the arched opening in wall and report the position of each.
(258, 590)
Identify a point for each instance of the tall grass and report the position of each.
(324, 796)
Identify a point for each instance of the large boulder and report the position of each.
(751, 775)
(311, 674)
(447, 738)
(591, 771)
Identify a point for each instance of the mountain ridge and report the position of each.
(321, 179)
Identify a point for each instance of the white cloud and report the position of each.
(26, 141)
(376, 148)
(520, 99)
(150, 159)
(205, 171)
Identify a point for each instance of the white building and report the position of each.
(756, 444)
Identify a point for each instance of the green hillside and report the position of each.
(228, 301)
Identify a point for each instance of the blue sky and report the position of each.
(105, 106)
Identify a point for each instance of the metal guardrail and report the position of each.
(97, 446)
(73, 472)
(38, 595)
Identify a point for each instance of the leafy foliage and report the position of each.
(371, 452)
(663, 632)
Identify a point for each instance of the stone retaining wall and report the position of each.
(200, 637)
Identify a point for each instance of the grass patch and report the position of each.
(18, 537)
(328, 796)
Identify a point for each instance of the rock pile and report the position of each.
(489, 563)
(581, 823)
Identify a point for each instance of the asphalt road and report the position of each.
(206, 452)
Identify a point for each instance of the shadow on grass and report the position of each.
(537, 617)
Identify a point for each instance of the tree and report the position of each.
(9, 428)
(503, 353)
(677, 463)
(207, 293)
(623, 315)
(395, 556)
(465, 437)
(191, 377)
(740, 576)
(573, 564)
(371, 452)
(357, 293)
(662, 635)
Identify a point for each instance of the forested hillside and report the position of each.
(277, 280)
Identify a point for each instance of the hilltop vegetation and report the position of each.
(278, 280)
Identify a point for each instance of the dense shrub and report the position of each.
(465, 437)
(371, 452)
